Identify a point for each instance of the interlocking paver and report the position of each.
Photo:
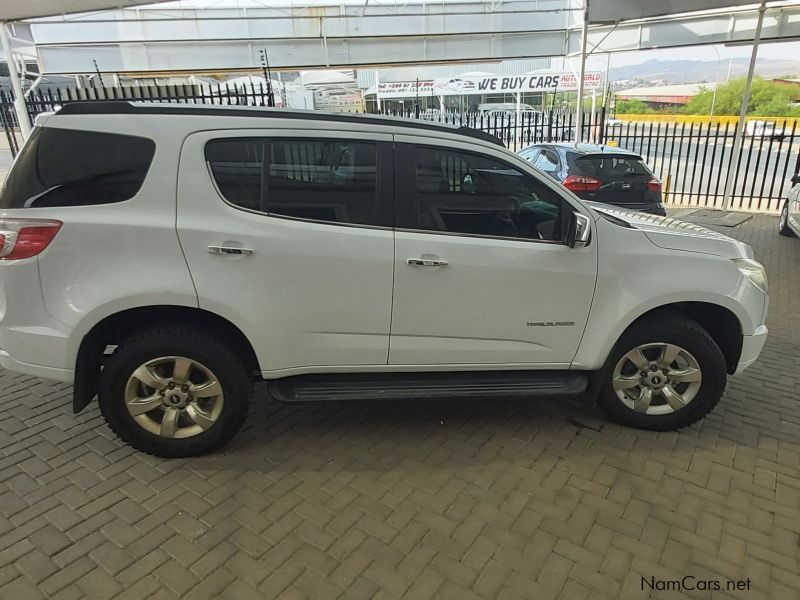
(453, 499)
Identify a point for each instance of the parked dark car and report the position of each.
(600, 173)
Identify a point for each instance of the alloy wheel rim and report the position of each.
(784, 217)
(174, 397)
(657, 378)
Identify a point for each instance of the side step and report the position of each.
(385, 386)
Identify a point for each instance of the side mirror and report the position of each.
(795, 178)
(578, 231)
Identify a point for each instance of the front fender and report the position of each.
(636, 277)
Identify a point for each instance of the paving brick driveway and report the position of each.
(478, 499)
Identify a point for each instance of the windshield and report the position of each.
(612, 167)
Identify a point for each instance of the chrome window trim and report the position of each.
(287, 217)
(481, 236)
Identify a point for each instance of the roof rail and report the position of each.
(122, 107)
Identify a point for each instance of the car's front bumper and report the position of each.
(751, 348)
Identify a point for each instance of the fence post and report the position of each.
(601, 131)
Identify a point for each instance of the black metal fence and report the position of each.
(39, 102)
(517, 131)
(692, 159)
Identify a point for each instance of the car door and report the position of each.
(287, 234)
(482, 276)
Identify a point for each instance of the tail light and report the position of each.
(581, 183)
(654, 185)
(24, 238)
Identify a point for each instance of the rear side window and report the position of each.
(68, 167)
(320, 180)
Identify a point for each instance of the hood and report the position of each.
(666, 232)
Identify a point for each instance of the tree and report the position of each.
(767, 98)
(632, 107)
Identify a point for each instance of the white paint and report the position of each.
(317, 297)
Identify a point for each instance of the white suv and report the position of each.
(164, 257)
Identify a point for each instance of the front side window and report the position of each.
(69, 167)
(460, 192)
(321, 180)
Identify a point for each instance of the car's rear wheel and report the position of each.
(664, 374)
(172, 392)
(783, 221)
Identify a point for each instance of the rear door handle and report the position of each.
(229, 251)
(427, 262)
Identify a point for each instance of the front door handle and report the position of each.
(229, 251)
(427, 262)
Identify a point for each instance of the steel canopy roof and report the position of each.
(16, 10)
(613, 11)
(600, 11)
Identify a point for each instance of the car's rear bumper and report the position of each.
(751, 348)
(11, 364)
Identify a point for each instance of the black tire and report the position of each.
(681, 332)
(228, 368)
(783, 221)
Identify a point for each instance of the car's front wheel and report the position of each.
(783, 221)
(665, 373)
(173, 392)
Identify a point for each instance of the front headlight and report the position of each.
(753, 270)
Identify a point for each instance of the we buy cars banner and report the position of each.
(511, 84)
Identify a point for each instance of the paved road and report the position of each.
(480, 499)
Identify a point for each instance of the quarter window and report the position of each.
(322, 180)
(67, 167)
(460, 192)
(547, 161)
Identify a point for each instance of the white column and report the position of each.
(377, 93)
(19, 100)
(739, 131)
(581, 74)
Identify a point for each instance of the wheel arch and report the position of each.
(719, 322)
(110, 330)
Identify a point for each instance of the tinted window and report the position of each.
(66, 167)
(612, 167)
(325, 180)
(237, 165)
(472, 194)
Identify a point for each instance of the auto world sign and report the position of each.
(488, 84)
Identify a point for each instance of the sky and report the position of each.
(779, 51)
(772, 50)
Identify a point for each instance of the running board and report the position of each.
(385, 386)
